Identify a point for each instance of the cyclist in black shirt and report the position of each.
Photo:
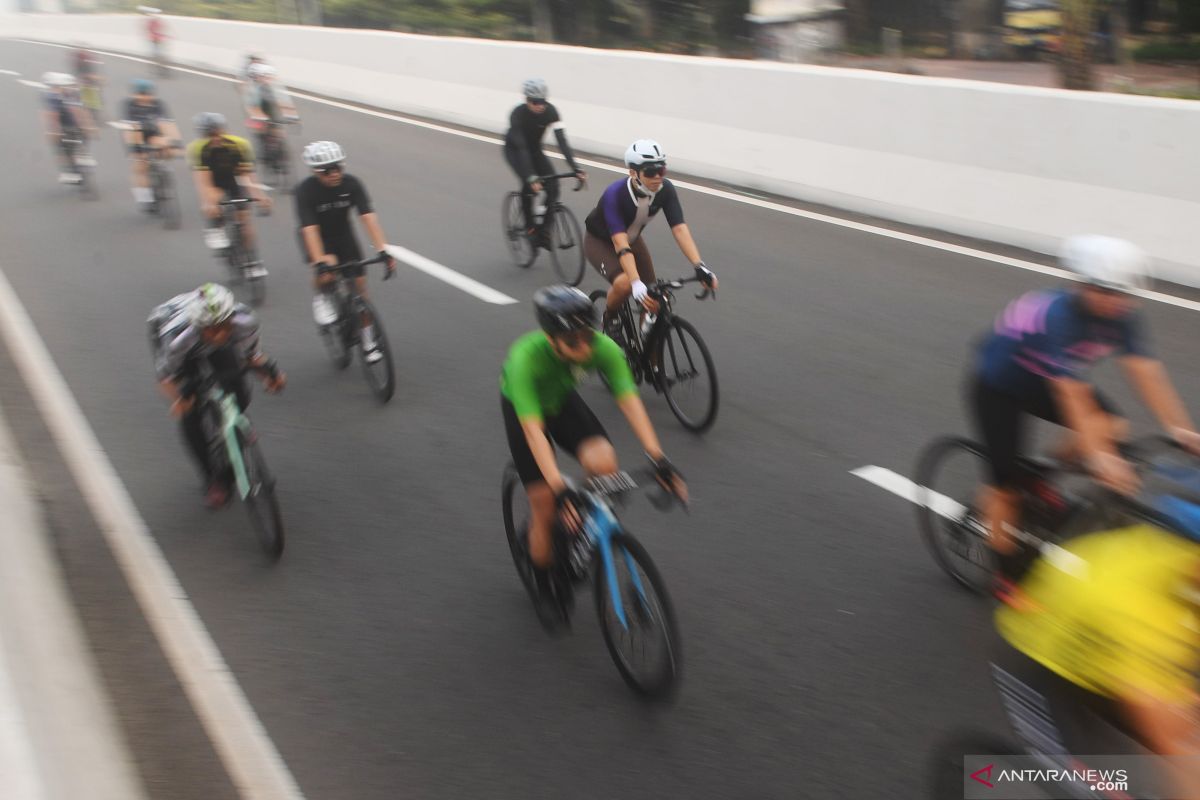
(323, 203)
(523, 148)
(149, 122)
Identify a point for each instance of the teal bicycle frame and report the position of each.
(232, 421)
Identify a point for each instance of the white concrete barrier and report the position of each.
(1017, 165)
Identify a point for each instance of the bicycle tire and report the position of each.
(512, 219)
(671, 342)
(662, 683)
(943, 534)
(566, 244)
(381, 376)
(262, 502)
(516, 532)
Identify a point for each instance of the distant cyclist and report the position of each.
(207, 327)
(63, 118)
(523, 149)
(86, 66)
(150, 123)
(1034, 363)
(223, 168)
(156, 32)
(266, 102)
(252, 59)
(614, 244)
(323, 203)
(541, 409)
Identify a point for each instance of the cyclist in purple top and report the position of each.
(614, 244)
(1034, 364)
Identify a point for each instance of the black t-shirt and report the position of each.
(329, 206)
(526, 129)
(146, 115)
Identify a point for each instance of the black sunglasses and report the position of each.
(574, 339)
(653, 170)
(537, 101)
(328, 169)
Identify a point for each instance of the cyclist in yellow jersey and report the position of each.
(223, 167)
(1110, 621)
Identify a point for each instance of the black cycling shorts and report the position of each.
(345, 248)
(1001, 422)
(569, 428)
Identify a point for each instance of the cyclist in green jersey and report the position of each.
(540, 406)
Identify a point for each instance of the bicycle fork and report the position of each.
(231, 423)
(601, 531)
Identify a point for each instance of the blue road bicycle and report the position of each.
(635, 612)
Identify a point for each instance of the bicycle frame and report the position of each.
(232, 421)
(601, 525)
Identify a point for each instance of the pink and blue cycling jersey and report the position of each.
(1049, 334)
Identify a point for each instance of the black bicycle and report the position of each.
(355, 312)
(560, 233)
(949, 474)
(74, 144)
(236, 254)
(666, 350)
(165, 202)
(277, 169)
(635, 612)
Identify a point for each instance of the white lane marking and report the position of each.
(10, 72)
(862, 227)
(31, 84)
(19, 778)
(914, 493)
(249, 756)
(455, 279)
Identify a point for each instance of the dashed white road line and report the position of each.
(31, 84)
(455, 279)
(247, 753)
(19, 776)
(914, 493)
(10, 72)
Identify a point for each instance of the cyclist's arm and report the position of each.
(625, 257)
(1077, 401)
(560, 136)
(515, 138)
(543, 453)
(248, 177)
(370, 221)
(635, 412)
(169, 130)
(313, 243)
(687, 245)
(1149, 377)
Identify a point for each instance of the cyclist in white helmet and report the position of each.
(1034, 363)
(323, 203)
(207, 326)
(64, 117)
(266, 102)
(523, 148)
(614, 244)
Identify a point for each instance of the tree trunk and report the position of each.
(543, 21)
(1075, 59)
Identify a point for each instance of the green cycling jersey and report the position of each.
(536, 381)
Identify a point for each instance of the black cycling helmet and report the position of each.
(562, 308)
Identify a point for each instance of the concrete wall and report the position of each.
(1019, 165)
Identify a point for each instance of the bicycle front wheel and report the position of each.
(949, 474)
(515, 508)
(380, 373)
(686, 375)
(261, 501)
(645, 646)
(566, 244)
(520, 248)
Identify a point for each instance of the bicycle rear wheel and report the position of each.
(515, 508)
(381, 374)
(566, 244)
(649, 627)
(261, 501)
(949, 474)
(521, 250)
(686, 375)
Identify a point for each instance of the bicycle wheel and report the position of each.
(949, 475)
(515, 506)
(261, 501)
(381, 374)
(566, 244)
(166, 199)
(520, 248)
(650, 620)
(283, 168)
(686, 375)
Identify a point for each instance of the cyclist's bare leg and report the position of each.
(360, 286)
(249, 236)
(1001, 511)
(618, 294)
(1067, 449)
(597, 456)
(139, 174)
(1170, 730)
(541, 523)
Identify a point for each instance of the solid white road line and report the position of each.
(31, 84)
(10, 72)
(875, 230)
(901, 486)
(253, 763)
(455, 279)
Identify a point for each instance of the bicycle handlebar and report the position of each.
(579, 182)
(661, 287)
(379, 258)
(619, 483)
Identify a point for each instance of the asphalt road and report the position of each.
(393, 653)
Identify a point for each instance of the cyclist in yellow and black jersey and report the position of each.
(223, 167)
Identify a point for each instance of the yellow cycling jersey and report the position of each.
(225, 158)
(1112, 612)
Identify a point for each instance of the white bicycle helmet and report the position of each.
(322, 154)
(643, 152)
(1107, 262)
(213, 305)
(535, 89)
(260, 70)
